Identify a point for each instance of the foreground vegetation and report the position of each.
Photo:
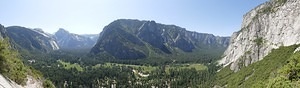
(280, 68)
(13, 68)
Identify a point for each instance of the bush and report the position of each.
(259, 41)
(48, 84)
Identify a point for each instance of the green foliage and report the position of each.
(266, 10)
(13, 68)
(292, 68)
(259, 41)
(48, 84)
(197, 67)
(280, 82)
(289, 75)
(104, 74)
(10, 65)
(68, 66)
(181, 69)
(281, 2)
(271, 8)
(257, 74)
(141, 68)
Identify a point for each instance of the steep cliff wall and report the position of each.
(268, 26)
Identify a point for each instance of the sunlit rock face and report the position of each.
(270, 25)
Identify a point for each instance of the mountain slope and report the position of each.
(68, 40)
(13, 73)
(268, 26)
(134, 39)
(279, 69)
(31, 39)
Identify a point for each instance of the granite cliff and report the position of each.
(270, 25)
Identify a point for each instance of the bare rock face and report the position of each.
(266, 27)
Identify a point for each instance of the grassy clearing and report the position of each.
(144, 69)
(68, 65)
(198, 67)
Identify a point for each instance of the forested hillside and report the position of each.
(280, 68)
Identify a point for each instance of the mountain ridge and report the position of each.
(142, 34)
(31, 39)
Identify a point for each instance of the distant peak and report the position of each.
(61, 30)
(152, 21)
(127, 20)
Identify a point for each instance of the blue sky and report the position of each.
(219, 17)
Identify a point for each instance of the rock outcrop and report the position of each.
(266, 27)
(134, 39)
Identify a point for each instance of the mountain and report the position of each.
(67, 40)
(13, 72)
(31, 39)
(270, 25)
(265, 52)
(135, 39)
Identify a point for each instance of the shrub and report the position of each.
(259, 41)
(48, 84)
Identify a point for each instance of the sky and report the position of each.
(218, 17)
